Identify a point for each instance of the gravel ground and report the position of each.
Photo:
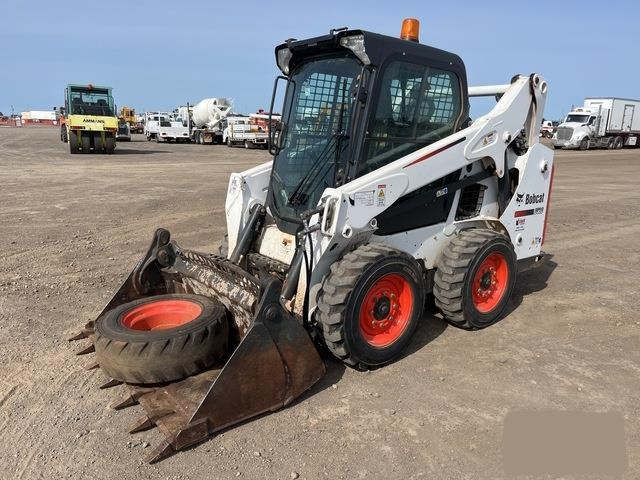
(73, 227)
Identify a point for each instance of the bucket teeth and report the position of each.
(149, 421)
(78, 336)
(111, 383)
(90, 349)
(163, 450)
(142, 424)
(86, 332)
(124, 402)
(91, 366)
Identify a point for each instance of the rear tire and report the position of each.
(475, 277)
(98, 145)
(619, 143)
(85, 139)
(370, 305)
(73, 142)
(110, 144)
(127, 350)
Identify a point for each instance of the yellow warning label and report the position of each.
(381, 195)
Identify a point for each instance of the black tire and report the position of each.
(63, 133)
(611, 143)
(98, 144)
(85, 140)
(584, 144)
(148, 137)
(246, 144)
(110, 144)
(346, 291)
(157, 138)
(619, 143)
(457, 268)
(73, 142)
(155, 356)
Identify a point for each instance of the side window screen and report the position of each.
(417, 106)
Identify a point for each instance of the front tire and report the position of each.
(584, 144)
(475, 277)
(370, 305)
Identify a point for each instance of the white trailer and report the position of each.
(602, 122)
(207, 120)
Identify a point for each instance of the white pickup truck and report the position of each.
(251, 131)
(159, 126)
(240, 131)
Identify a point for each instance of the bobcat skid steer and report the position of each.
(381, 192)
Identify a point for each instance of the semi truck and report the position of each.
(207, 126)
(89, 122)
(603, 122)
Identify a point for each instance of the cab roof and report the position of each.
(378, 49)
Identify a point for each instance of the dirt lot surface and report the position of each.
(73, 227)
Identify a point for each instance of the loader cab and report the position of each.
(356, 101)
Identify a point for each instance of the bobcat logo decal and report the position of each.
(519, 197)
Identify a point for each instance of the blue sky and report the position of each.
(157, 54)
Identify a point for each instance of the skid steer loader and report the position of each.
(381, 192)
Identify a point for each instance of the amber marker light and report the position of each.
(410, 29)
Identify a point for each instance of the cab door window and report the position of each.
(417, 106)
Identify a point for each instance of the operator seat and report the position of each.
(76, 106)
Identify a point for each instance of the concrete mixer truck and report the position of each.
(207, 120)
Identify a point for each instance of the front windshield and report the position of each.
(317, 110)
(91, 102)
(577, 119)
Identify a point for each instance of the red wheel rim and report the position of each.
(385, 310)
(490, 282)
(161, 315)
